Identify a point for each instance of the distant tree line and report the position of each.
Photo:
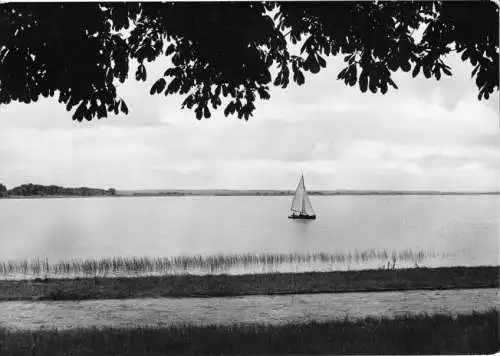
(3, 191)
(52, 190)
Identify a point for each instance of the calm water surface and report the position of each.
(130, 313)
(464, 228)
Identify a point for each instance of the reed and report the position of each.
(220, 263)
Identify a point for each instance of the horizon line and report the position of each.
(341, 190)
(309, 190)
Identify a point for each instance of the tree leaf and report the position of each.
(474, 71)
(300, 78)
(391, 82)
(405, 66)
(383, 87)
(199, 112)
(416, 70)
(79, 112)
(446, 71)
(427, 71)
(363, 81)
(158, 86)
(322, 62)
(263, 94)
(124, 108)
(170, 49)
(373, 84)
(437, 73)
(342, 73)
(206, 112)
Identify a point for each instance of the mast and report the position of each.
(304, 195)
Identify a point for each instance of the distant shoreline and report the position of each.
(229, 192)
(183, 193)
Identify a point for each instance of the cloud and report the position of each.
(426, 135)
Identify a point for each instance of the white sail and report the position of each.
(301, 203)
(308, 209)
(298, 198)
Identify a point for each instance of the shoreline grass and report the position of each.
(250, 284)
(474, 333)
(129, 266)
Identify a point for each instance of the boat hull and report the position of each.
(307, 217)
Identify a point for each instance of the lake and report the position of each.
(454, 230)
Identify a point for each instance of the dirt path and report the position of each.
(254, 309)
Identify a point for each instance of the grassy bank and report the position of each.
(475, 333)
(250, 284)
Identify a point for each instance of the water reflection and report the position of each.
(464, 227)
(303, 226)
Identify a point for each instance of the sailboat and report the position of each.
(301, 205)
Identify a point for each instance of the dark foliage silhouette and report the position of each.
(3, 191)
(223, 54)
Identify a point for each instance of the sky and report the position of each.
(427, 135)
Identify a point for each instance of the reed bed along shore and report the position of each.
(216, 264)
(474, 333)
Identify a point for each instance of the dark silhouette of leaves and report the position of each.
(416, 70)
(123, 107)
(221, 54)
(158, 86)
(363, 81)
